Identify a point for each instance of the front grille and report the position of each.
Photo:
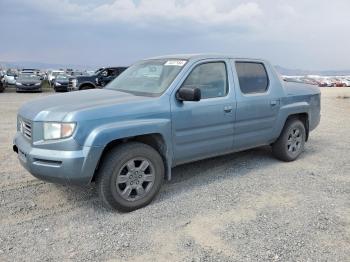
(26, 128)
(71, 85)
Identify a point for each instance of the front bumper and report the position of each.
(71, 88)
(57, 166)
(28, 88)
(61, 88)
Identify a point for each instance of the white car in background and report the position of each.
(51, 74)
(10, 78)
(346, 82)
(30, 71)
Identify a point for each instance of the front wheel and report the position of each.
(130, 176)
(291, 142)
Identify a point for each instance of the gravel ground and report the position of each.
(240, 207)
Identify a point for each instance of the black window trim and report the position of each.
(267, 76)
(209, 62)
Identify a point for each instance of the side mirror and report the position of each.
(189, 94)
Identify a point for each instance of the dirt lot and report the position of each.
(240, 207)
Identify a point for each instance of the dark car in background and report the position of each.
(2, 86)
(60, 83)
(30, 71)
(28, 83)
(99, 79)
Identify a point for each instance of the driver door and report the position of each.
(106, 76)
(204, 128)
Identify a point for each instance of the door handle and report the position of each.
(274, 102)
(228, 109)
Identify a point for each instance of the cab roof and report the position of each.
(203, 56)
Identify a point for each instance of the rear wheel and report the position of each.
(130, 176)
(291, 142)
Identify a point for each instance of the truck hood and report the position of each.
(56, 107)
(28, 81)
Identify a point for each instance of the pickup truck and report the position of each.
(99, 79)
(160, 113)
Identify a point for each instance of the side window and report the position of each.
(252, 77)
(210, 78)
(113, 72)
(104, 73)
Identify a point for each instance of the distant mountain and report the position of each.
(297, 72)
(40, 65)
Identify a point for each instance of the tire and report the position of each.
(86, 87)
(121, 172)
(291, 142)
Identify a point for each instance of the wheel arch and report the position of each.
(304, 118)
(154, 140)
(87, 84)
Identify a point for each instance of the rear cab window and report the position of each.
(252, 77)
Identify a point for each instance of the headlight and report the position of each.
(57, 84)
(18, 83)
(54, 130)
(37, 84)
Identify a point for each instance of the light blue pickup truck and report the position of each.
(160, 113)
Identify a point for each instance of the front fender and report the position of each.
(107, 133)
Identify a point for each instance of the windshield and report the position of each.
(151, 77)
(28, 77)
(56, 73)
(62, 77)
(98, 71)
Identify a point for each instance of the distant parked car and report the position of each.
(28, 83)
(346, 82)
(9, 78)
(30, 71)
(339, 84)
(51, 75)
(98, 80)
(2, 87)
(329, 83)
(60, 83)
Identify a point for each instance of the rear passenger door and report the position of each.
(257, 104)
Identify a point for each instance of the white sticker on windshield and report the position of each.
(175, 63)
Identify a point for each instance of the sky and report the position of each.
(306, 34)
